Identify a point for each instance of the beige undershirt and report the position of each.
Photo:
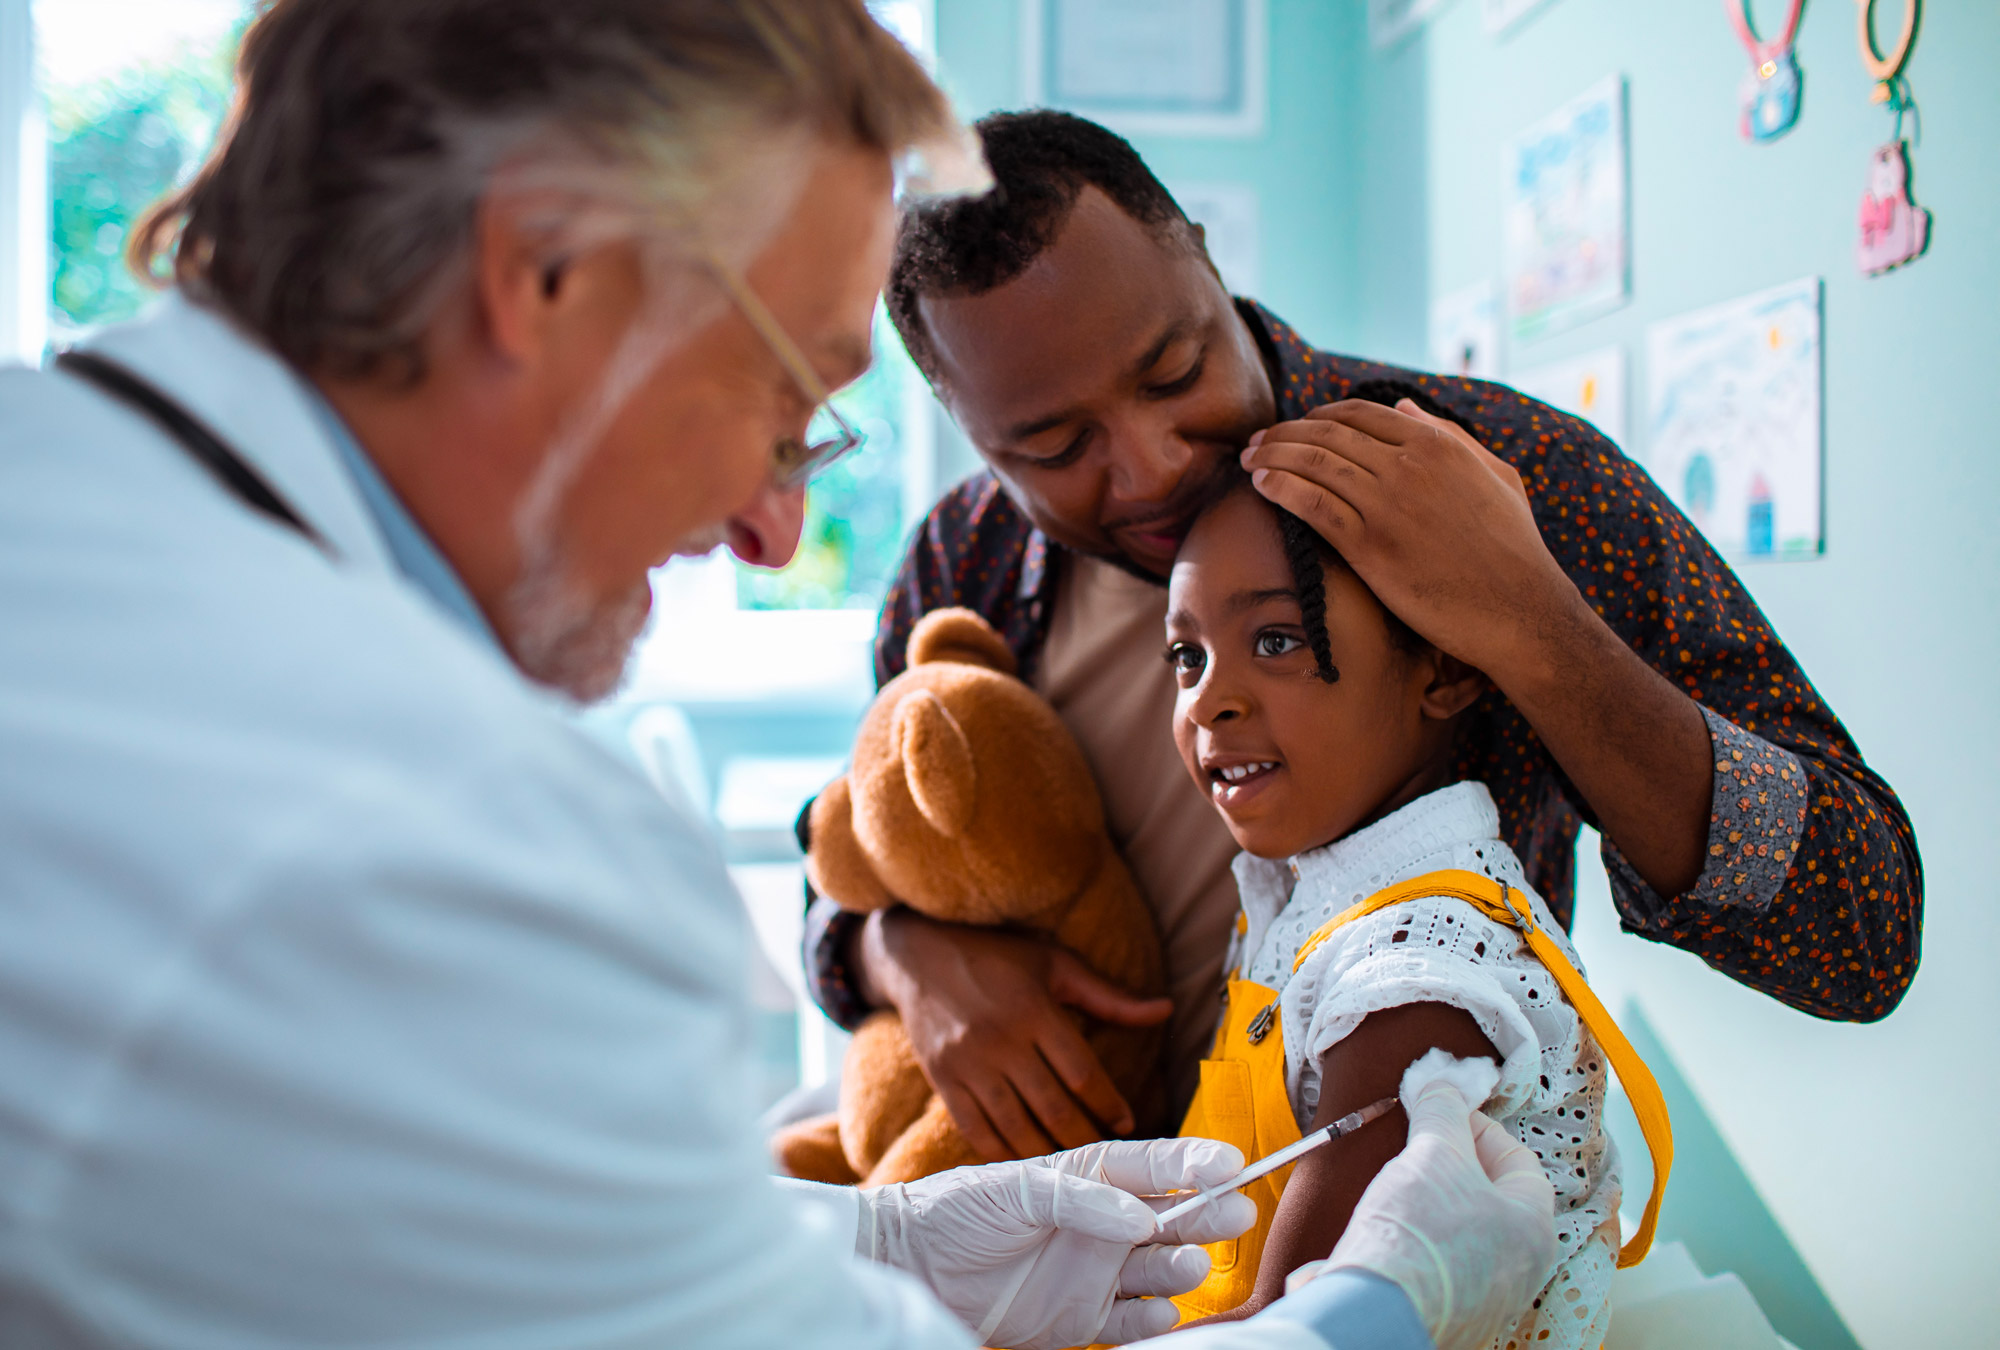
(1102, 669)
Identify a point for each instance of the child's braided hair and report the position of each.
(1302, 550)
(1306, 549)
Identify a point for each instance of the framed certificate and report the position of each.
(1150, 67)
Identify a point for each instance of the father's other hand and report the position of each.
(1437, 525)
(985, 1014)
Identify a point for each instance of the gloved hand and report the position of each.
(1463, 1219)
(1061, 1250)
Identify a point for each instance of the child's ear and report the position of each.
(838, 866)
(1454, 686)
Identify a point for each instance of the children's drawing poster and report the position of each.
(1227, 214)
(1465, 333)
(1564, 217)
(1591, 386)
(1736, 419)
(1390, 21)
(1501, 15)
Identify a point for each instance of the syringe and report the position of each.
(1271, 1162)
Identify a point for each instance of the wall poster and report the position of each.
(1564, 220)
(1162, 67)
(1591, 386)
(1465, 333)
(1389, 21)
(1736, 418)
(1227, 214)
(1501, 15)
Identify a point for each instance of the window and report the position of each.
(857, 512)
(751, 682)
(135, 90)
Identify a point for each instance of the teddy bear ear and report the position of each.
(937, 761)
(962, 636)
(838, 866)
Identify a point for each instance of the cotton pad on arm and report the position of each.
(1474, 1078)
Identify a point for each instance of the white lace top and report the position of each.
(1551, 1090)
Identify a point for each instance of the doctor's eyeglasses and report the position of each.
(793, 461)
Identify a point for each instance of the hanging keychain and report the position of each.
(1771, 91)
(1894, 229)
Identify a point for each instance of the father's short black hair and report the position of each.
(1041, 160)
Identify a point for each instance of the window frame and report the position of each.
(24, 197)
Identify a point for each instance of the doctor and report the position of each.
(347, 994)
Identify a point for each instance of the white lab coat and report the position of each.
(348, 995)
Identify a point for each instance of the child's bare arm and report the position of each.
(1327, 1183)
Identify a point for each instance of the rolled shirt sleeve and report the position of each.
(1758, 810)
(1811, 888)
(830, 934)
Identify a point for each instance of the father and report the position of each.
(1074, 326)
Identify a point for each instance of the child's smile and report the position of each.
(1233, 780)
(1291, 760)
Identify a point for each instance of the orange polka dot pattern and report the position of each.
(1813, 890)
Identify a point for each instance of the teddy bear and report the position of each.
(968, 801)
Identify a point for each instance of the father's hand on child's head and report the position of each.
(1437, 526)
(986, 1015)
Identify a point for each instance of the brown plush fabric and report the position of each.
(968, 801)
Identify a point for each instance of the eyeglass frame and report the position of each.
(793, 461)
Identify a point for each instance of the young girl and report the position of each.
(1322, 730)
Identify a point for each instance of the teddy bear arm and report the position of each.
(882, 1091)
(930, 1145)
(1112, 929)
(810, 1150)
(838, 866)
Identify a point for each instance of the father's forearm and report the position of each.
(830, 950)
(867, 959)
(1635, 747)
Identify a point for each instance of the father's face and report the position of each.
(1108, 385)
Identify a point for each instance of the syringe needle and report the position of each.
(1271, 1162)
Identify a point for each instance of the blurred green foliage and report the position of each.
(116, 145)
(853, 532)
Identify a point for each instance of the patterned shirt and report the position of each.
(1813, 890)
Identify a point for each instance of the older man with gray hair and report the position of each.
(349, 995)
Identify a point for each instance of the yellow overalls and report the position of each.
(1242, 1098)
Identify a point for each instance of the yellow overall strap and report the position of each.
(1501, 903)
(1243, 1101)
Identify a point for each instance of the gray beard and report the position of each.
(560, 639)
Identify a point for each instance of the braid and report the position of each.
(1302, 551)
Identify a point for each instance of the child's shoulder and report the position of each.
(1451, 835)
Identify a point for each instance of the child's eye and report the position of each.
(1186, 658)
(1276, 642)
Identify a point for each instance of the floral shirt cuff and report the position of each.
(1756, 815)
(830, 934)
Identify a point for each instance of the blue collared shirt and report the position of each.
(416, 556)
(1354, 1310)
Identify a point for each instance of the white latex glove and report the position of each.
(1058, 1251)
(1463, 1219)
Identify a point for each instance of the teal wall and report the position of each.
(1899, 623)
(1304, 167)
(1871, 1147)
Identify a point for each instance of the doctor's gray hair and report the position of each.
(337, 213)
